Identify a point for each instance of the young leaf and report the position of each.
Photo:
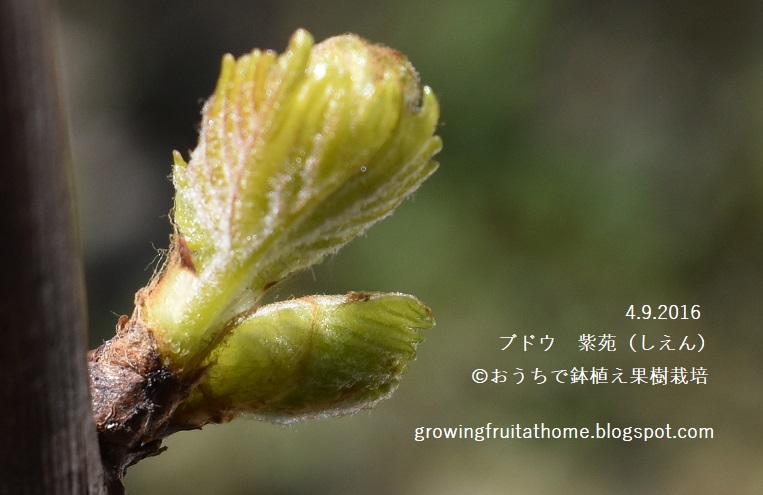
(297, 155)
(314, 356)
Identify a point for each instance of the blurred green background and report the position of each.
(597, 155)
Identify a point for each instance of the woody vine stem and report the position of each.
(297, 155)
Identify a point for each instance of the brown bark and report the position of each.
(48, 442)
(134, 397)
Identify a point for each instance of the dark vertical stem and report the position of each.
(48, 443)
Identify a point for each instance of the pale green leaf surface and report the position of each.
(314, 356)
(297, 155)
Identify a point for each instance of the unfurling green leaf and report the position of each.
(297, 155)
(314, 356)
